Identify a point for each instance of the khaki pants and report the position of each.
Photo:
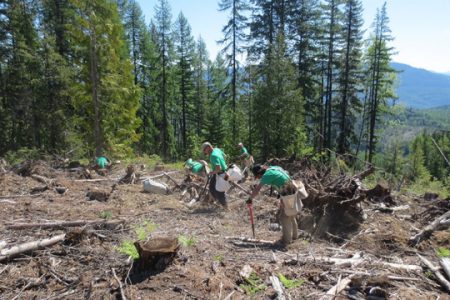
(289, 227)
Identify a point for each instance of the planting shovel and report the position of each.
(250, 212)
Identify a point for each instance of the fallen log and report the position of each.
(353, 261)
(42, 179)
(440, 278)
(109, 224)
(337, 288)
(29, 246)
(278, 287)
(249, 240)
(445, 264)
(439, 223)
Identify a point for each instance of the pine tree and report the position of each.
(200, 65)
(106, 97)
(332, 43)
(350, 77)
(185, 49)
(233, 40)
(165, 93)
(380, 76)
(305, 28)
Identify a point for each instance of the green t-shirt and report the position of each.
(275, 176)
(217, 158)
(195, 166)
(244, 151)
(102, 162)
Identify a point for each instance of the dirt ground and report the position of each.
(208, 267)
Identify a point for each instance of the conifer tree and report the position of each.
(185, 49)
(234, 37)
(350, 77)
(106, 97)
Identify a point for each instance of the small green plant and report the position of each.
(127, 247)
(105, 214)
(443, 252)
(290, 283)
(145, 229)
(218, 258)
(186, 241)
(253, 284)
(429, 274)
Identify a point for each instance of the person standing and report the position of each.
(246, 158)
(218, 174)
(289, 192)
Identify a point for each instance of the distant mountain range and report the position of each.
(419, 88)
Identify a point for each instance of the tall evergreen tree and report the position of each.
(201, 62)
(332, 43)
(234, 37)
(106, 97)
(163, 18)
(185, 49)
(380, 76)
(350, 77)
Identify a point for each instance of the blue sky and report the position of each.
(421, 28)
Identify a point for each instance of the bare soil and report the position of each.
(208, 268)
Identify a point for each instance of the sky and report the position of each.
(421, 28)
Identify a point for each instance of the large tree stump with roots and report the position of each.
(156, 254)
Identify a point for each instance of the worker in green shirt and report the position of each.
(218, 176)
(247, 159)
(287, 189)
(197, 167)
(101, 164)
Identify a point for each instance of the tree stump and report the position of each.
(156, 254)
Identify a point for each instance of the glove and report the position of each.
(226, 176)
(249, 201)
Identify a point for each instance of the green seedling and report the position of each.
(253, 284)
(145, 229)
(290, 283)
(186, 241)
(128, 248)
(443, 252)
(218, 258)
(105, 215)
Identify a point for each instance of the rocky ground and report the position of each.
(215, 257)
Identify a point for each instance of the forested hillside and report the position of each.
(420, 88)
(91, 77)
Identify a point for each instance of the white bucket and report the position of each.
(221, 184)
(234, 173)
(151, 186)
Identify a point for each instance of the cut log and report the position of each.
(337, 288)
(444, 282)
(439, 223)
(30, 246)
(106, 224)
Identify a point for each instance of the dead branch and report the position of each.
(240, 187)
(439, 223)
(107, 224)
(337, 288)
(122, 294)
(30, 246)
(278, 287)
(249, 240)
(445, 264)
(444, 282)
(42, 179)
